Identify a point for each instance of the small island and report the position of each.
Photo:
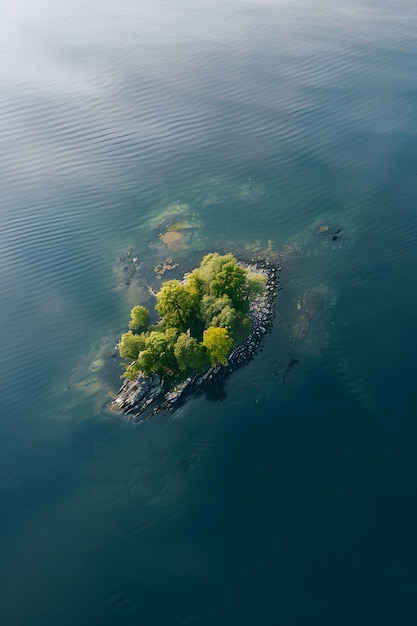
(209, 323)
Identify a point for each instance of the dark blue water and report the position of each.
(261, 122)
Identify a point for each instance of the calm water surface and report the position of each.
(261, 121)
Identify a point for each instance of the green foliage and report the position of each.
(178, 226)
(195, 285)
(211, 306)
(218, 312)
(131, 372)
(242, 327)
(223, 276)
(230, 281)
(130, 345)
(256, 284)
(139, 318)
(226, 318)
(157, 356)
(201, 318)
(218, 344)
(189, 353)
(177, 304)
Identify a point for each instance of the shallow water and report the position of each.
(261, 121)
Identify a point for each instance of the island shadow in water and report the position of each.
(216, 391)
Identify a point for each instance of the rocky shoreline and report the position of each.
(143, 397)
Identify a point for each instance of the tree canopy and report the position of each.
(218, 344)
(177, 304)
(139, 318)
(201, 318)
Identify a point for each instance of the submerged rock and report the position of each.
(286, 368)
(333, 235)
(308, 307)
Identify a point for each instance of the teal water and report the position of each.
(264, 121)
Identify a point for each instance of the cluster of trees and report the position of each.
(201, 319)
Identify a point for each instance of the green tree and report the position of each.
(218, 312)
(189, 353)
(211, 305)
(230, 281)
(195, 285)
(226, 318)
(224, 276)
(211, 265)
(157, 356)
(131, 372)
(139, 318)
(176, 304)
(218, 344)
(130, 345)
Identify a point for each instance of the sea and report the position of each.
(275, 129)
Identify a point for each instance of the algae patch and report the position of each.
(172, 239)
(176, 235)
(178, 226)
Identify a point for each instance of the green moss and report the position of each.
(178, 226)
